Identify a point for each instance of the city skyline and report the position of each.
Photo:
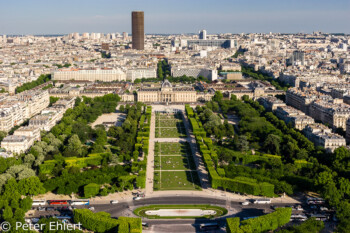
(23, 17)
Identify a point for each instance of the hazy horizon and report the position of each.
(38, 17)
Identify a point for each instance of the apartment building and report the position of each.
(16, 144)
(35, 101)
(302, 99)
(104, 75)
(271, 103)
(140, 73)
(289, 114)
(178, 71)
(321, 135)
(330, 112)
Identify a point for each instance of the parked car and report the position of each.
(114, 201)
(298, 207)
(41, 208)
(91, 208)
(50, 209)
(245, 203)
(322, 208)
(35, 220)
(137, 198)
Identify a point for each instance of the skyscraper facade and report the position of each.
(203, 35)
(138, 30)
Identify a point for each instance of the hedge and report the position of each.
(189, 110)
(221, 172)
(102, 222)
(260, 224)
(135, 224)
(217, 177)
(143, 143)
(300, 163)
(232, 225)
(97, 222)
(270, 221)
(47, 167)
(91, 159)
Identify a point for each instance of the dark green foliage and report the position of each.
(68, 183)
(102, 222)
(27, 86)
(249, 72)
(260, 224)
(310, 226)
(91, 190)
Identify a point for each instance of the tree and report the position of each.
(29, 159)
(19, 214)
(302, 154)
(242, 143)
(344, 186)
(74, 145)
(7, 213)
(31, 186)
(324, 178)
(2, 135)
(218, 96)
(39, 160)
(136, 81)
(272, 144)
(26, 203)
(20, 172)
(121, 108)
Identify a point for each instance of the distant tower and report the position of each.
(125, 36)
(203, 35)
(138, 30)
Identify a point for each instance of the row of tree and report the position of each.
(325, 173)
(250, 72)
(27, 86)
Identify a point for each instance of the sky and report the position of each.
(179, 16)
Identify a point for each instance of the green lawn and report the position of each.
(170, 132)
(176, 180)
(169, 126)
(172, 148)
(170, 123)
(174, 163)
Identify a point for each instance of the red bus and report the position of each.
(57, 202)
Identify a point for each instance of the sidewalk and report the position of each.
(202, 171)
(150, 157)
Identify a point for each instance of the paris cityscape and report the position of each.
(180, 122)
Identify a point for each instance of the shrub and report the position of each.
(91, 190)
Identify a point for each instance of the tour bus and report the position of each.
(262, 201)
(80, 202)
(209, 226)
(38, 202)
(57, 202)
